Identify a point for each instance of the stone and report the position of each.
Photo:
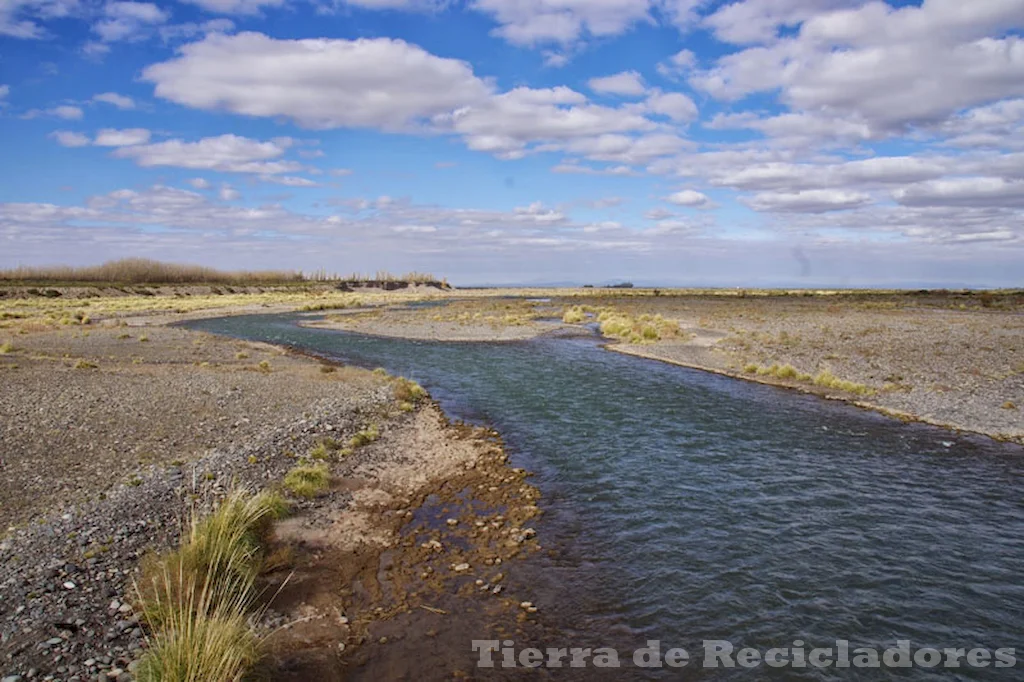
(459, 568)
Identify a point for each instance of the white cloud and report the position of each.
(120, 101)
(67, 138)
(808, 201)
(109, 137)
(675, 105)
(225, 153)
(67, 112)
(318, 83)
(678, 64)
(690, 198)
(977, 192)
(758, 21)
(128, 20)
(22, 18)
(228, 193)
(535, 22)
(574, 168)
(557, 118)
(624, 83)
(242, 7)
(882, 67)
(192, 29)
(289, 180)
(199, 183)
(340, 172)
(4, 91)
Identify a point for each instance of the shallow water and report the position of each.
(692, 506)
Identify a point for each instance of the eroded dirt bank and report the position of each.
(111, 433)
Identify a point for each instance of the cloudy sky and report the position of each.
(744, 142)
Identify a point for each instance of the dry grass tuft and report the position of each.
(308, 480)
(196, 598)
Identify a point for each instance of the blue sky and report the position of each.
(752, 142)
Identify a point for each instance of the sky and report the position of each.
(665, 142)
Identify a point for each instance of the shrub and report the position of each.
(407, 390)
(201, 637)
(220, 554)
(307, 480)
(573, 315)
(364, 437)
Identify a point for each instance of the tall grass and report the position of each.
(147, 271)
(196, 598)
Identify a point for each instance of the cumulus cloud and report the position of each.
(675, 105)
(879, 66)
(629, 83)
(243, 7)
(109, 137)
(979, 192)
(690, 198)
(68, 112)
(536, 22)
(225, 153)
(558, 118)
(122, 102)
(67, 138)
(25, 18)
(318, 83)
(808, 201)
(128, 20)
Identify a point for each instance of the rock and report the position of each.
(12, 678)
(452, 522)
(69, 585)
(459, 568)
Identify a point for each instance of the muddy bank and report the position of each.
(111, 434)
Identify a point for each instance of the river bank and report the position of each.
(112, 432)
(949, 359)
(917, 359)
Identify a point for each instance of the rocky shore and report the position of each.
(111, 434)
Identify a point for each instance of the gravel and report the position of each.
(74, 437)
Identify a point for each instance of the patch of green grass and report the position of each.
(308, 480)
(826, 379)
(324, 449)
(364, 437)
(407, 390)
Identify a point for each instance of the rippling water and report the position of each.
(694, 506)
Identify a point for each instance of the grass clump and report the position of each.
(574, 315)
(364, 437)
(264, 366)
(826, 379)
(241, 355)
(201, 644)
(407, 390)
(6, 347)
(85, 364)
(308, 480)
(197, 597)
(323, 450)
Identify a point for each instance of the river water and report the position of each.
(691, 506)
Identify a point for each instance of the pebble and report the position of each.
(459, 568)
